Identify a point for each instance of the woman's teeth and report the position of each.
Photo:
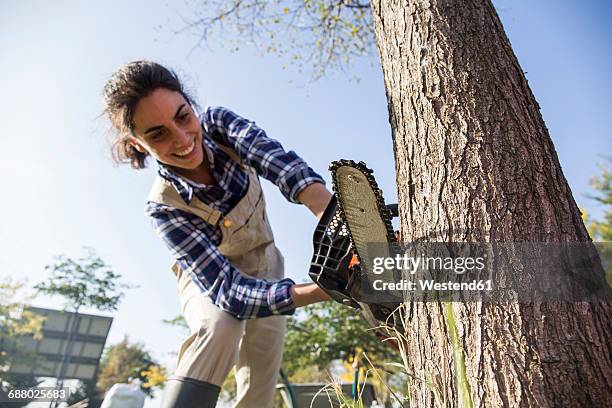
(186, 151)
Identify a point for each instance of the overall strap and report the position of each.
(163, 192)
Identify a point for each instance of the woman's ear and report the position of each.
(135, 143)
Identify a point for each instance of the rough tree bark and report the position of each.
(475, 163)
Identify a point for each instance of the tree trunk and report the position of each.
(475, 163)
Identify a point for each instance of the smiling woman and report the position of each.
(166, 127)
(123, 92)
(207, 206)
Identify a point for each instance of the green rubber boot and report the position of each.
(183, 392)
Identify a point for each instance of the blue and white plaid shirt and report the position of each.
(193, 242)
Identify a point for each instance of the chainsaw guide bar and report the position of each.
(363, 207)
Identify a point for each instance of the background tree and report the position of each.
(85, 282)
(602, 183)
(326, 336)
(15, 322)
(469, 136)
(601, 230)
(323, 333)
(126, 360)
(318, 36)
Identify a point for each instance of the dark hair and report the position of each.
(129, 84)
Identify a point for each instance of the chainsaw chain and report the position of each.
(384, 213)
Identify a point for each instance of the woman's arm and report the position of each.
(240, 295)
(315, 197)
(288, 171)
(303, 294)
(295, 179)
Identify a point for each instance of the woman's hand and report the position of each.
(315, 197)
(304, 294)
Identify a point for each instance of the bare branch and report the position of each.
(318, 35)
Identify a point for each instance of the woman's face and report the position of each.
(168, 129)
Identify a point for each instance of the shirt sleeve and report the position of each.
(242, 296)
(267, 156)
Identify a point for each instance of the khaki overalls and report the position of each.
(218, 341)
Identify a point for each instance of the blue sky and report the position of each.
(61, 191)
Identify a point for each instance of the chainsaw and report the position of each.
(355, 218)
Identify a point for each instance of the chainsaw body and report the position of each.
(335, 265)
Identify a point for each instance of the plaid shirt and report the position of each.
(193, 242)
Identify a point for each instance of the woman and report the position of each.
(207, 205)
